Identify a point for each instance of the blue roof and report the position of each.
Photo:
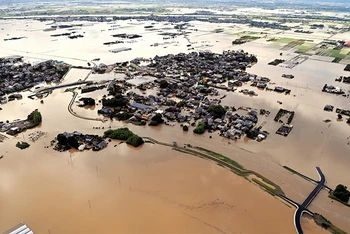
(140, 106)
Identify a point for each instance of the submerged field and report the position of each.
(202, 196)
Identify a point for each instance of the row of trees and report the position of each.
(117, 101)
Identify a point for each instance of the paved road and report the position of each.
(301, 209)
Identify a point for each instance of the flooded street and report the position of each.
(154, 189)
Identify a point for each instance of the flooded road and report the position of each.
(161, 190)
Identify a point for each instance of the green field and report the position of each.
(304, 47)
(285, 40)
(335, 54)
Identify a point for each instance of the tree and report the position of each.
(119, 134)
(217, 111)
(22, 145)
(35, 117)
(341, 193)
(180, 104)
(185, 128)
(340, 117)
(163, 84)
(72, 142)
(118, 100)
(62, 139)
(135, 140)
(200, 129)
(348, 122)
(158, 118)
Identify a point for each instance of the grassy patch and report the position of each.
(326, 224)
(304, 47)
(184, 151)
(265, 186)
(290, 169)
(22, 145)
(285, 40)
(222, 157)
(335, 54)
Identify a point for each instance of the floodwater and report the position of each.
(124, 190)
(162, 190)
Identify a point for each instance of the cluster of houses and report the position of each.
(332, 89)
(191, 110)
(83, 141)
(15, 127)
(16, 75)
(344, 79)
(169, 18)
(186, 87)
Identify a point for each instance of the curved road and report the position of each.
(70, 109)
(301, 209)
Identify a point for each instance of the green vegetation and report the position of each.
(266, 187)
(326, 224)
(181, 104)
(334, 54)
(124, 134)
(35, 117)
(135, 141)
(224, 161)
(304, 47)
(217, 111)
(291, 170)
(285, 40)
(156, 119)
(118, 100)
(221, 157)
(185, 151)
(200, 129)
(341, 193)
(185, 128)
(119, 134)
(22, 145)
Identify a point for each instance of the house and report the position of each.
(142, 106)
(13, 131)
(279, 89)
(102, 145)
(105, 111)
(328, 108)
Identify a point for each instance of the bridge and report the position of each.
(50, 88)
(302, 208)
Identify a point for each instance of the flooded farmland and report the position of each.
(154, 189)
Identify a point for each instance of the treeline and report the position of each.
(124, 134)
